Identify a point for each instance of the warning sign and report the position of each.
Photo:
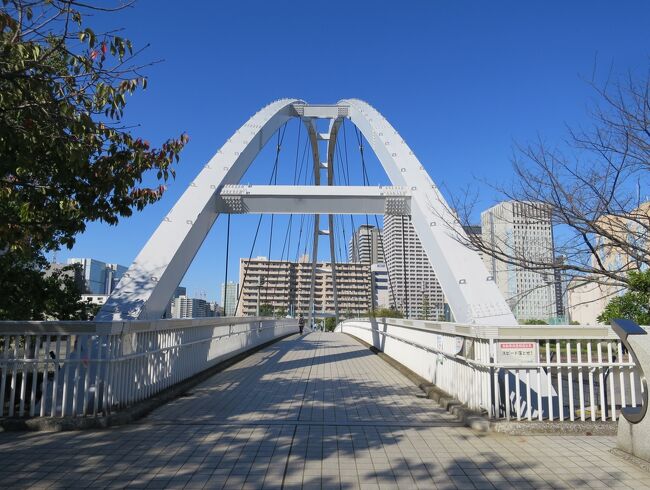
(514, 352)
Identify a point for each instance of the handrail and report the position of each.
(492, 364)
(118, 327)
(551, 332)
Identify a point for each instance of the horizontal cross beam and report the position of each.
(309, 199)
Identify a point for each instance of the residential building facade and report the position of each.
(285, 286)
(413, 282)
(622, 248)
(586, 300)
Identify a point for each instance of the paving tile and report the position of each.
(319, 412)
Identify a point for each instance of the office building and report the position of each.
(285, 287)
(522, 230)
(365, 246)
(229, 294)
(417, 291)
(98, 277)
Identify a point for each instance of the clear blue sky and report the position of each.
(461, 81)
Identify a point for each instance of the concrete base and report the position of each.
(634, 438)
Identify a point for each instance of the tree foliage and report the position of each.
(632, 305)
(385, 313)
(66, 157)
(35, 295)
(330, 324)
(534, 321)
(266, 309)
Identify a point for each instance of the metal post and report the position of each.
(314, 261)
(333, 261)
(260, 281)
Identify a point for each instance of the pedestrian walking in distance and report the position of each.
(301, 323)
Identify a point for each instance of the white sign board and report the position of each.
(517, 352)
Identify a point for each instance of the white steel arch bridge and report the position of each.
(146, 288)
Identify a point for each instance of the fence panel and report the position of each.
(88, 368)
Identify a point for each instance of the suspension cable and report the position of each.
(406, 293)
(353, 237)
(366, 181)
(259, 222)
(225, 281)
(275, 182)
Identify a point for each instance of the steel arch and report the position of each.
(146, 288)
(149, 283)
(471, 293)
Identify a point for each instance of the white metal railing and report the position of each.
(86, 368)
(562, 373)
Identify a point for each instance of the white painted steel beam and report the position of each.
(469, 290)
(309, 199)
(146, 288)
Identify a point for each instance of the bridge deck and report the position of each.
(319, 412)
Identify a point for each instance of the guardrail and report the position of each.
(60, 369)
(563, 373)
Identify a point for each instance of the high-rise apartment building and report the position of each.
(522, 230)
(98, 277)
(285, 286)
(229, 294)
(414, 283)
(365, 246)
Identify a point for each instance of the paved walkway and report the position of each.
(316, 412)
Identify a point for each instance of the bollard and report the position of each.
(634, 427)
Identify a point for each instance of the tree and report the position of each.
(589, 189)
(66, 157)
(266, 309)
(425, 308)
(35, 295)
(634, 304)
(385, 313)
(534, 321)
(330, 324)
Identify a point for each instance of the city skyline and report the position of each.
(429, 46)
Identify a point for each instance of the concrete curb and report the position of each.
(471, 418)
(641, 463)
(537, 427)
(129, 414)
